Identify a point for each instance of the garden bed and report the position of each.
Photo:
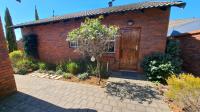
(92, 80)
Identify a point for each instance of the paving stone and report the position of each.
(113, 103)
(150, 109)
(44, 75)
(97, 99)
(91, 104)
(99, 106)
(140, 108)
(121, 104)
(58, 77)
(52, 77)
(107, 108)
(116, 109)
(46, 95)
(105, 101)
(131, 106)
(127, 110)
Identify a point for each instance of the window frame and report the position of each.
(76, 45)
(114, 41)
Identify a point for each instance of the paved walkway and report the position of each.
(46, 95)
(127, 76)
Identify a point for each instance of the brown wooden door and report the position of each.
(129, 46)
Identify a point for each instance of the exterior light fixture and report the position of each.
(92, 59)
(130, 22)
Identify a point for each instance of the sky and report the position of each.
(24, 11)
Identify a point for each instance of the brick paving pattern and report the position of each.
(46, 95)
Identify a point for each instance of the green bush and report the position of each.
(59, 72)
(15, 56)
(31, 45)
(42, 66)
(72, 67)
(83, 76)
(51, 66)
(82, 63)
(67, 75)
(25, 65)
(22, 71)
(51, 72)
(159, 66)
(173, 47)
(60, 67)
(184, 90)
(92, 69)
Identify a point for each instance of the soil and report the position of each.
(91, 80)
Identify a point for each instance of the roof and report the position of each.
(102, 11)
(180, 26)
(195, 32)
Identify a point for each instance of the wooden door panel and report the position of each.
(129, 48)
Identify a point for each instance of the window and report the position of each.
(73, 44)
(111, 46)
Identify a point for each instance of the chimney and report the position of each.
(110, 4)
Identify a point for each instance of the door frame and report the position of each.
(138, 51)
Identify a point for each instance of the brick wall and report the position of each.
(20, 44)
(54, 48)
(7, 81)
(190, 51)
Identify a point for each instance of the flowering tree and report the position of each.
(92, 38)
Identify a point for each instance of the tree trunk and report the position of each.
(99, 71)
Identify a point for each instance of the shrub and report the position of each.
(42, 66)
(185, 91)
(51, 66)
(67, 75)
(31, 45)
(60, 67)
(15, 56)
(173, 47)
(25, 65)
(51, 72)
(22, 71)
(72, 67)
(83, 76)
(159, 66)
(59, 72)
(82, 63)
(92, 69)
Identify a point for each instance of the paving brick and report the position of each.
(140, 108)
(116, 109)
(107, 108)
(99, 106)
(150, 109)
(131, 106)
(58, 96)
(105, 101)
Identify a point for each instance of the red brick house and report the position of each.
(143, 28)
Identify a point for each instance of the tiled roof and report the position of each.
(102, 11)
(180, 22)
(180, 26)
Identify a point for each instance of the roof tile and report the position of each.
(102, 11)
